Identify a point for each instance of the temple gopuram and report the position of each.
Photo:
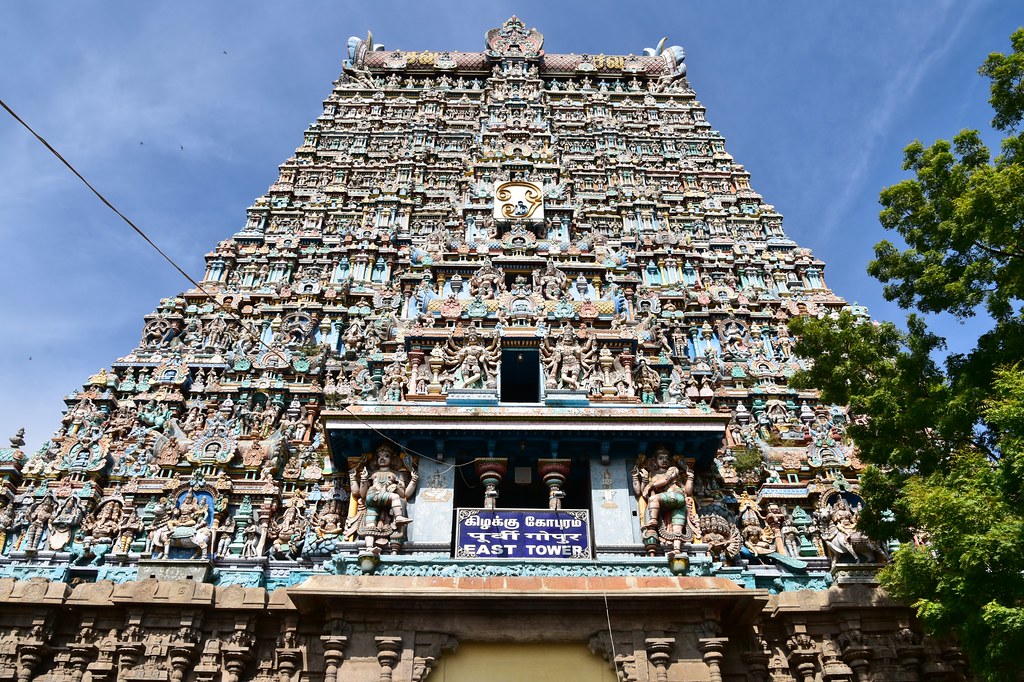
(491, 384)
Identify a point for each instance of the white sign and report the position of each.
(518, 200)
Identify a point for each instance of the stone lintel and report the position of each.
(537, 592)
(641, 419)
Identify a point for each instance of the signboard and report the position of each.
(522, 534)
(518, 200)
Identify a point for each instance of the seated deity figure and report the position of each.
(108, 523)
(664, 486)
(383, 490)
(386, 488)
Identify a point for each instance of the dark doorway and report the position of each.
(520, 375)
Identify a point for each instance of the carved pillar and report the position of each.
(129, 654)
(389, 651)
(554, 472)
(30, 655)
(236, 658)
(80, 654)
(415, 360)
(909, 653)
(436, 364)
(180, 654)
(712, 648)
(491, 471)
(803, 656)
(334, 654)
(757, 660)
(659, 653)
(289, 661)
(857, 654)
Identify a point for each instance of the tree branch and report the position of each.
(998, 252)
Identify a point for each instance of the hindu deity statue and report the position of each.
(382, 492)
(187, 527)
(37, 523)
(475, 364)
(287, 532)
(568, 363)
(663, 486)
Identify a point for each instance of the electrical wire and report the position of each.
(611, 637)
(403, 447)
(222, 308)
(253, 333)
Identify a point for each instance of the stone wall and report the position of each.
(396, 628)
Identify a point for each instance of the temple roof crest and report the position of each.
(513, 40)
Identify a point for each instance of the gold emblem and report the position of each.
(518, 200)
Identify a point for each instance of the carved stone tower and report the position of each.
(491, 384)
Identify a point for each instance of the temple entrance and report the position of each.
(520, 375)
(536, 662)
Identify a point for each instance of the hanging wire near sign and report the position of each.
(611, 637)
(345, 408)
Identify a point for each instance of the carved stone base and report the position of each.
(564, 398)
(174, 569)
(472, 397)
(863, 574)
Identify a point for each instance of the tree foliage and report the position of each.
(945, 443)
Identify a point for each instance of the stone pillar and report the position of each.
(554, 472)
(180, 654)
(857, 654)
(128, 656)
(235, 660)
(910, 654)
(80, 654)
(334, 654)
(30, 655)
(416, 358)
(289, 661)
(389, 651)
(659, 653)
(756, 661)
(491, 471)
(712, 648)
(803, 656)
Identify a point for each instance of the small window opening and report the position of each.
(520, 375)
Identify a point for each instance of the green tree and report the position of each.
(945, 444)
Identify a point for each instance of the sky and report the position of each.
(180, 113)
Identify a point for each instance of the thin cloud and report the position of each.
(899, 90)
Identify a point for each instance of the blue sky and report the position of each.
(816, 99)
